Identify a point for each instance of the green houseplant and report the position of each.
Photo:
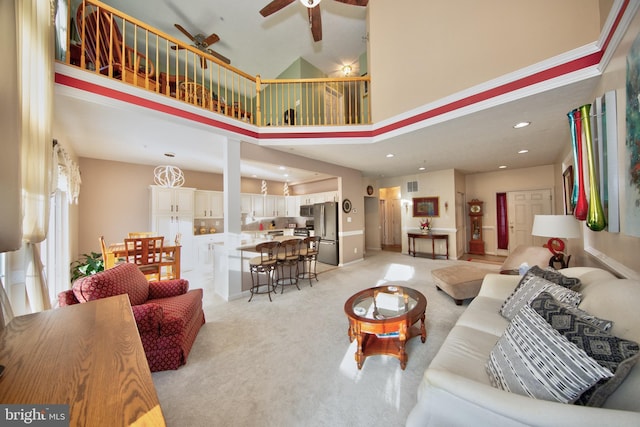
(86, 265)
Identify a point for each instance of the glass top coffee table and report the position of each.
(383, 319)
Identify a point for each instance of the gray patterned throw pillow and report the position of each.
(616, 354)
(530, 287)
(533, 359)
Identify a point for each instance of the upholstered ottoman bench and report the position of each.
(460, 281)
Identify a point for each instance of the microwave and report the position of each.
(306, 210)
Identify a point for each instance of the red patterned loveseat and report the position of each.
(168, 315)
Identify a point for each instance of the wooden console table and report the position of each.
(88, 356)
(433, 237)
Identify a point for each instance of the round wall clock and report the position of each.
(369, 190)
(346, 205)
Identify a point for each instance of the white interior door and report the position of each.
(522, 207)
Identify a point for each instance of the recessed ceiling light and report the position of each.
(281, 168)
(523, 151)
(502, 167)
(521, 125)
(170, 154)
(389, 155)
(421, 168)
(286, 175)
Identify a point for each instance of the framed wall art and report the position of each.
(426, 206)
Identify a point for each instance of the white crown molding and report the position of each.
(619, 32)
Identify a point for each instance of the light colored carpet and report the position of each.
(289, 362)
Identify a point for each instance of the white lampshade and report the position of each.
(561, 226)
(310, 3)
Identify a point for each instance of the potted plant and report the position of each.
(87, 265)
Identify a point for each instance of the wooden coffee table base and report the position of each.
(370, 344)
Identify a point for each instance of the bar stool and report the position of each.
(308, 257)
(288, 259)
(265, 264)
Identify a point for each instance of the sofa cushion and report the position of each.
(530, 287)
(124, 278)
(533, 359)
(616, 354)
(553, 275)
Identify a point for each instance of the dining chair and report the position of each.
(195, 94)
(134, 234)
(146, 253)
(108, 257)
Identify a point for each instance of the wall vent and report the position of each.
(412, 186)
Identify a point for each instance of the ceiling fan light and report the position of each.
(310, 3)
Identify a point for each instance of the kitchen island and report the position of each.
(231, 276)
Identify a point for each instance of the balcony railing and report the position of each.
(107, 42)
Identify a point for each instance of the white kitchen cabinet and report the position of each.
(327, 196)
(172, 214)
(258, 205)
(208, 204)
(172, 200)
(292, 206)
(246, 204)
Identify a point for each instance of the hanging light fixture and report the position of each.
(310, 3)
(168, 176)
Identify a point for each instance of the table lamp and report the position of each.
(556, 227)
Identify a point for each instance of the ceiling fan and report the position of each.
(313, 8)
(202, 43)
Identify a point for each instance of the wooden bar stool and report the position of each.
(309, 257)
(288, 257)
(264, 264)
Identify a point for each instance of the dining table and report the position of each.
(170, 263)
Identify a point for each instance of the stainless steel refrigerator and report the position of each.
(325, 225)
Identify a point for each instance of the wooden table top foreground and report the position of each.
(88, 356)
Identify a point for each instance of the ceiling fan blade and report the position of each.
(203, 63)
(355, 2)
(315, 21)
(275, 6)
(183, 31)
(220, 57)
(213, 38)
(176, 47)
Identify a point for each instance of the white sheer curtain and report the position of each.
(35, 44)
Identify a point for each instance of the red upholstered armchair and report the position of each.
(168, 315)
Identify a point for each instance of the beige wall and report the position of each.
(439, 184)
(407, 44)
(114, 197)
(485, 186)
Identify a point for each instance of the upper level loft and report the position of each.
(102, 40)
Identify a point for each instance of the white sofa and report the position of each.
(456, 390)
